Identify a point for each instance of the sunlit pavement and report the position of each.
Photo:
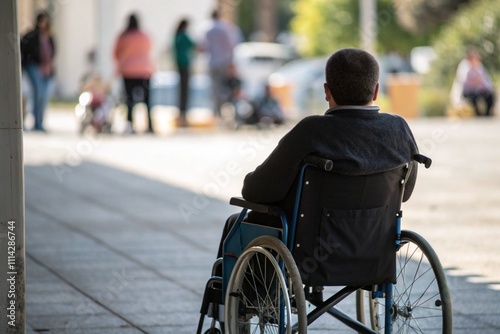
(122, 230)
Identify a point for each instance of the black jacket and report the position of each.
(359, 140)
(30, 47)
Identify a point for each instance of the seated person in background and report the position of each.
(473, 83)
(98, 87)
(268, 109)
(232, 85)
(353, 133)
(100, 103)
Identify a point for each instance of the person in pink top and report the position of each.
(132, 57)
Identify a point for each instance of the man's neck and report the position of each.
(333, 104)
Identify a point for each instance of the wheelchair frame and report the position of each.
(216, 296)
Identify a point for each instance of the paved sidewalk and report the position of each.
(121, 232)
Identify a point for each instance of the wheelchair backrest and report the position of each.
(345, 228)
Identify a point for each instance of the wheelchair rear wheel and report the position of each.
(265, 292)
(421, 299)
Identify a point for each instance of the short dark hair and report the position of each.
(133, 22)
(41, 16)
(352, 76)
(183, 24)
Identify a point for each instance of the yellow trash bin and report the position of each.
(403, 89)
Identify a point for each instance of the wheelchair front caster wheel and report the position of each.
(213, 331)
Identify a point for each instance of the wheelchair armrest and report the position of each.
(422, 159)
(263, 208)
(319, 162)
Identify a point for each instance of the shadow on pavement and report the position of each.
(109, 251)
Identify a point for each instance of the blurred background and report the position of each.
(418, 43)
(122, 231)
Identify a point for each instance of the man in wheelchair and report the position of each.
(364, 165)
(353, 133)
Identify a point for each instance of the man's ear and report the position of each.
(375, 93)
(328, 94)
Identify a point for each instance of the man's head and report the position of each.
(351, 78)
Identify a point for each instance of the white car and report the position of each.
(165, 90)
(255, 61)
(298, 86)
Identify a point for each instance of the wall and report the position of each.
(75, 31)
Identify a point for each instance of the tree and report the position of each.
(247, 12)
(323, 25)
(246, 17)
(326, 25)
(420, 16)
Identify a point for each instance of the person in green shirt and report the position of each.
(183, 48)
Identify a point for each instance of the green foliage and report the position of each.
(327, 25)
(423, 15)
(383, 102)
(285, 14)
(476, 25)
(433, 102)
(246, 16)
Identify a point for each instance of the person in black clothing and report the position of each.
(268, 109)
(37, 56)
(232, 85)
(131, 54)
(352, 133)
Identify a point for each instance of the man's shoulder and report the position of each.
(215, 28)
(310, 119)
(393, 120)
(308, 123)
(315, 122)
(390, 115)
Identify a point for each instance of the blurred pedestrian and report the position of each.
(183, 47)
(267, 108)
(473, 84)
(220, 41)
(37, 58)
(232, 85)
(132, 56)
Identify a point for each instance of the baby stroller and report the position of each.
(94, 107)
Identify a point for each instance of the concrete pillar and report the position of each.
(12, 252)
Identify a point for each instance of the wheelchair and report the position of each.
(343, 231)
